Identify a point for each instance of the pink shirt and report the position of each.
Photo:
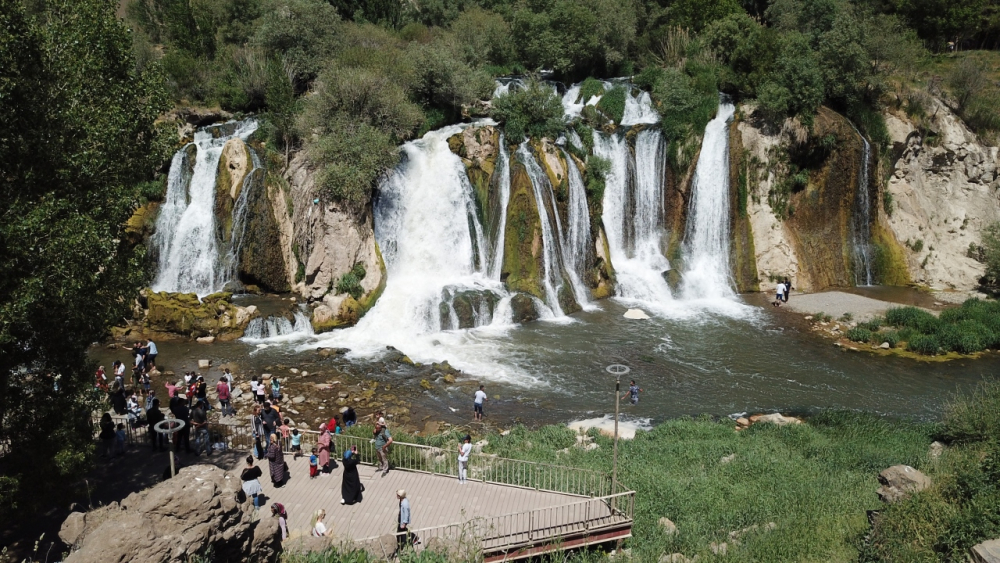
(171, 389)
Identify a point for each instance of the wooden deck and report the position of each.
(499, 518)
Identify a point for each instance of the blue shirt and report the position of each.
(404, 511)
(296, 439)
(152, 348)
(313, 460)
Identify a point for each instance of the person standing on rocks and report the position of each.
(260, 391)
(463, 458)
(151, 355)
(222, 390)
(477, 403)
(382, 442)
(199, 419)
(251, 482)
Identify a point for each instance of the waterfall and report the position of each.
(186, 240)
(633, 198)
(231, 260)
(503, 164)
(707, 241)
(861, 226)
(552, 274)
(639, 110)
(278, 328)
(577, 237)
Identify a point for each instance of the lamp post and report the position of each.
(169, 427)
(617, 370)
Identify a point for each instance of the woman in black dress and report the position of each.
(350, 488)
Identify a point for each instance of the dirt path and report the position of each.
(837, 304)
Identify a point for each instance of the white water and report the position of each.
(278, 329)
(706, 245)
(639, 110)
(577, 242)
(186, 239)
(503, 164)
(861, 221)
(551, 275)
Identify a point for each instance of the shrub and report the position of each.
(912, 317)
(352, 157)
(350, 282)
(589, 88)
(873, 324)
(612, 103)
(892, 337)
(926, 344)
(965, 337)
(535, 111)
(860, 335)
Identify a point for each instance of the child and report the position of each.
(275, 388)
(313, 464)
(145, 382)
(120, 439)
(296, 444)
(285, 432)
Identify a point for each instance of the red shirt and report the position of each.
(223, 389)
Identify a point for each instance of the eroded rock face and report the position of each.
(944, 193)
(900, 481)
(192, 513)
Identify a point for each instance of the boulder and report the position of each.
(191, 514)
(986, 552)
(635, 314)
(936, 449)
(205, 339)
(899, 481)
(667, 526)
(774, 418)
(204, 364)
(523, 309)
(184, 313)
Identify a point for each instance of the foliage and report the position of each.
(352, 157)
(970, 328)
(597, 170)
(589, 88)
(990, 250)
(303, 32)
(858, 334)
(926, 344)
(535, 111)
(350, 282)
(77, 140)
(612, 103)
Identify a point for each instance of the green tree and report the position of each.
(698, 14)
(76, 139)
(535, 111)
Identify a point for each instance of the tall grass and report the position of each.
(970, 328)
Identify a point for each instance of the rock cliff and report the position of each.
(944, 190)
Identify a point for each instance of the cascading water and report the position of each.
(861, 227)
(503, 164)
(632, 202)
(551, 275)
(577, 237)
(639, 110)
(186, 240)
(278, 328)
(706, 245)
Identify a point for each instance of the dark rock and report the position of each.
(523, 309)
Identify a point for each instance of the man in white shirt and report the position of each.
(477, 405)
(463, 458)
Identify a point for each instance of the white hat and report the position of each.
(381, 421)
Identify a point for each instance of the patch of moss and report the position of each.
(522, 241)
(889, 264)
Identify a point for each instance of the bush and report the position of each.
(535, 111)
(965, 337)
(589, 88)
(352, 157)
(924, 344)
(873, 324)
(350, 282)
(860, 335)
(892, 337)
(612, 103)
(912, 317)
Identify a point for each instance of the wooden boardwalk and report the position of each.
(435, 500)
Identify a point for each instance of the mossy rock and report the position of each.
(523, 308)
(567, 299)
(261, 261)
(235, 164)
(140, 225)
(350, 311)
(523, 260)
(183, 313)
(456, 144)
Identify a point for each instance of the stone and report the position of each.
(667, 526)
(523, 309)
(635, 314)
(172, 522)
(885, 346)
(343, 394)
(204, 364)
(299, 400)
(425, 384)
(936, 449)
(727, 459)
(899, 482)
(719, 548)
(294, 370)
(774, 418)
(205, 339)
(985, 552)
(742, 421)
(449, 378)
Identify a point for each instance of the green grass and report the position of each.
(968, 329)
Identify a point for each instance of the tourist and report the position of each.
(350, 417)
(120, 439)
(275, 388)
(286, 432)
(138, 368)
(271, 420)
(334, 425)
(150, 397)
(171, 388)
(319, 529)
(117, 391)
(779, 294)
(632, 393)
(132, 409)
(201, 392)
(257, 428)
(382, 442)
(228, 376)
(276, 462)
(463, 458)
(183, 436)
(261, 391)
(477, 403)
(107, 435)
(323, 447)
(188, 377)
(101, 380)
(192, 388)
(119, 371)
(199, 419)
(251, 483)
(146, 383)
(788, 289)
(277, 509)
(313, 464)
(296, 444)
(153, 416)
(403, 535)
(151, 352)
(222, 390)
(351, 487)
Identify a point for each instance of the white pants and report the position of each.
(461, 469)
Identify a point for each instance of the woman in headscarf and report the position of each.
(276, 462)
(278, 511)
(350, 488)
(107, 434)
(323, 447)
(257, 427)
